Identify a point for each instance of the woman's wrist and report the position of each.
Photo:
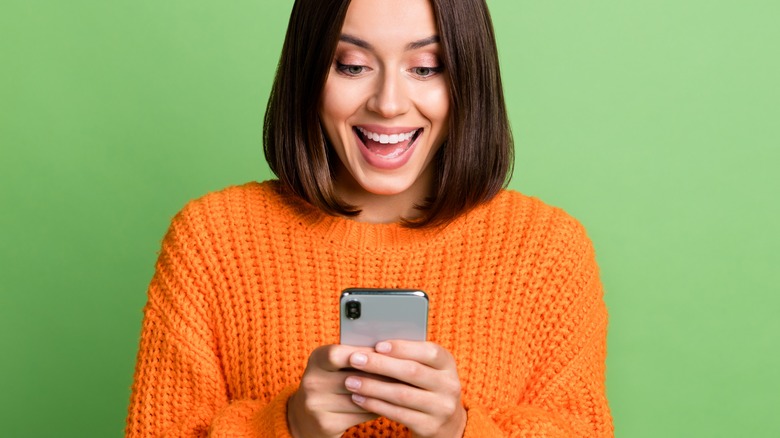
(292, 422)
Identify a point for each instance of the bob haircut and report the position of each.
(472, 166)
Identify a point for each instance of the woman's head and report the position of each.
(350, 73)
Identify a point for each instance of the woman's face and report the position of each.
(386, 100)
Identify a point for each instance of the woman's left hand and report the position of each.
(421, 389)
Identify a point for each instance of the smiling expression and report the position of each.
(385, 103)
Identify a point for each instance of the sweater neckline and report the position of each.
(346, 232)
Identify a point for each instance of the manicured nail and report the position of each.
(383, 347)
(358, 359)
(352, 383)
(358, 398)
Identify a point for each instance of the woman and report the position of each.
(387, 130)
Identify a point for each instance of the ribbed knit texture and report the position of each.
(248, 281)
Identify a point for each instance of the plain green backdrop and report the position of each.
(656, 123)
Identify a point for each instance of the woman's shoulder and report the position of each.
(252, 190)
(534, 221)
(530, 209)
(234, 198)
(233, 206)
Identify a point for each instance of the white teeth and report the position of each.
(387, 138)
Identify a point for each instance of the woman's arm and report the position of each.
(179, 387)
(567, 399)
(563, 394)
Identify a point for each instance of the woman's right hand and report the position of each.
(322, 407)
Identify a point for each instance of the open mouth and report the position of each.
(387, 146)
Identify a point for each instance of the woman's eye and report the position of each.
(425, 72)
(351, 70)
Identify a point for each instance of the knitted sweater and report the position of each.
(247, 285)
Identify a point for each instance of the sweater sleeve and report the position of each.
(179, 387)
(565, 393)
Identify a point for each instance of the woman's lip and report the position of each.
(381, 162)
(388, 130)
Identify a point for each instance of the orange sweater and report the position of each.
(247, 285)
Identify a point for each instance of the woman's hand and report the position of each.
(425, 395)
(322, 407)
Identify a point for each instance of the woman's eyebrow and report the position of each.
(411, 46)
(433, 39)
(356, 41)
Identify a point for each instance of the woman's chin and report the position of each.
(385, 188)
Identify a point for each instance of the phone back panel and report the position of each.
(385, 314)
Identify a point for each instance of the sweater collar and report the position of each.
(347, 232)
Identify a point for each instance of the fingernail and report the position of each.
(358, 359)
(383, 347)
(358, 398)
(352, 383)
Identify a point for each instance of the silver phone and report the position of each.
(369, 316)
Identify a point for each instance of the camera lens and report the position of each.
(353, 309)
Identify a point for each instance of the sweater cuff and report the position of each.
(252, 418)
(272, 421)
(479, 424)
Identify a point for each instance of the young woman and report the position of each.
(387, 130)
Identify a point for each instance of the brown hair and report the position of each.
(473, 164)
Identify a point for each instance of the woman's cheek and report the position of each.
(434, 100)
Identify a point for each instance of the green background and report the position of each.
(656, 123)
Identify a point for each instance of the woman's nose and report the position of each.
(391, 97)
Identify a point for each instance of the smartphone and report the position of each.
(369, 316)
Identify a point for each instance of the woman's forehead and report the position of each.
(388, 22)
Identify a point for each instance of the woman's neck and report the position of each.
(389, 208)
